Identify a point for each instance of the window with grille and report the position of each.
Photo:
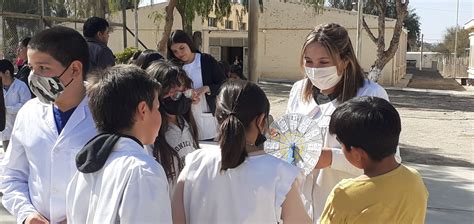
(212, 22)
(229, 24)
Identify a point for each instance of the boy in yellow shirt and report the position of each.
(368, 129)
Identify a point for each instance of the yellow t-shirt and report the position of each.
(399, 196)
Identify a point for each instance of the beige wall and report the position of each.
(283, 27)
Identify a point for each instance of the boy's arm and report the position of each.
(25, 95)
(146, 198)
(14, 180)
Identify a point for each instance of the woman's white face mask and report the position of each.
(323, 78)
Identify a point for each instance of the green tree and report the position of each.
(447, 46)
(412, 24)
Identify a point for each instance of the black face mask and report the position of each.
(177, 107)
(260, 138)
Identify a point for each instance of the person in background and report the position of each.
(178, 133)
(49, 129)
(22, 60)
(207, 76)
(117, 181)
(332, 76)
(15, 93)
(237, 182)
(236, 73)
(96, 31)
(146, 58)
(368, 129)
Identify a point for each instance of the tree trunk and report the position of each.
(384, 56)
(168, 25)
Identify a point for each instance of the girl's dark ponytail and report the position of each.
(232, 142)
(238, 104)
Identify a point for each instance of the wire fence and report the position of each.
(24, 18)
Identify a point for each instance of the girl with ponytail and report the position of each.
(236, 182)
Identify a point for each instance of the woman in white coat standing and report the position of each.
(332, 76)
(15, 93)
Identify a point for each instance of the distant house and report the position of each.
(470, 27)
(430, 60)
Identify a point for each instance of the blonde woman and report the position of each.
(332, 76)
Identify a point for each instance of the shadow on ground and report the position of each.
(431, 101)
(432, 79)
(429, 156)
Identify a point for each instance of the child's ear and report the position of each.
(142, 109)
(261, 122)
(77, 68)
(361, 154)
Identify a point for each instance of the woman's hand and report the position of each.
(197, 93)
(325, 159)
(203, 90)
(196, 97)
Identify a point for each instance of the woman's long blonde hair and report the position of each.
(335, 39)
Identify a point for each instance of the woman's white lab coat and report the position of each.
(15, 98)
(131, 188)
(40, 162)
(319, 184)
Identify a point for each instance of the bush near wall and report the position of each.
(124, 57)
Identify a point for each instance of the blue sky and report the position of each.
(435, 15)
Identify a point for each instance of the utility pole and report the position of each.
(124, 20)
(421, 53)
(136, 24)
(456, 39)
(360, 6)
(253, 40)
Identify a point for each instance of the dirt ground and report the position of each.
(437, 127)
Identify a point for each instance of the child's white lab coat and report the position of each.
(39, 162)
(16, 96)
(131, 188)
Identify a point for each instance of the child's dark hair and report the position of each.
(238, 103)
(235, 69)
(179, 36)
(24, 42)
(370, 123)
(225, 67)
(171, 75)
(94, 25)
(64, 44)
(147, 57)
(115, 93)
(6, 65)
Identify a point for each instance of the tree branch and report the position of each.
(402, 11)
(366, 27)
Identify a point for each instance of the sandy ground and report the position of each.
(437, 126)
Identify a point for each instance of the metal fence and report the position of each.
(450, 67)
(24, 18)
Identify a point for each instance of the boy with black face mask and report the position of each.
(49, 130)
(178, 134)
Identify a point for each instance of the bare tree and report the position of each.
(384, 56)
